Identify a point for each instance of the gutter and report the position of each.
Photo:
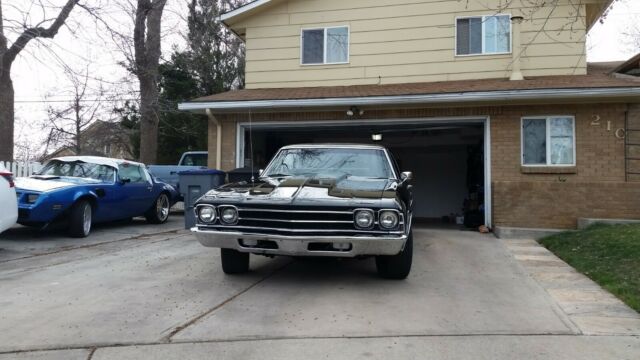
(426, 99)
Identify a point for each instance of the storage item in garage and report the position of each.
(242, 174)
(473, 219)
(194, 184)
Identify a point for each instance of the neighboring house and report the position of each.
(101, 138)
(497, 113)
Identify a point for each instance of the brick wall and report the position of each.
(544, 198)
(538, 204)
(633, 143)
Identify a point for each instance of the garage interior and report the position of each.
(447, 160)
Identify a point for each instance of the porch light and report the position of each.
(376, 137)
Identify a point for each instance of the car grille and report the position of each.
(301, 221)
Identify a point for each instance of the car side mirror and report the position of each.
(406, 176)
(260, 172)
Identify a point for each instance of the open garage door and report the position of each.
(449, 158)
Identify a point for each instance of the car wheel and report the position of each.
(234, 262)
(159, 212)
(396, 266)
(80, 219)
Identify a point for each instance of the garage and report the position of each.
(448, 157)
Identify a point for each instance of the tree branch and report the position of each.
(37, 32)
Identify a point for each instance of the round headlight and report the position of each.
(388, 219)
(364, 219)
(207, 214)
(229, 215)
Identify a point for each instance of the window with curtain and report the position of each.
(548, 141)
(483, 35)
(325, 45)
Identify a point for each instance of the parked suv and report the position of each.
(314, 200)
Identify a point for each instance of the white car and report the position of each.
(8, 201)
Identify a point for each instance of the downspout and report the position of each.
(213, 119)
(516, 72)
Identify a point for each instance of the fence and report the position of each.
(22, 169)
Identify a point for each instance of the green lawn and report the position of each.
(608, 254)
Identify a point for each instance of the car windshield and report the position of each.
(371, 163)
(194, 160)
(79, 169)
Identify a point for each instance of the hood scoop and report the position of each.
(45, 177)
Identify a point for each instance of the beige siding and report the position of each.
(395, 41)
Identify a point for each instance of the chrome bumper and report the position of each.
(299, 245)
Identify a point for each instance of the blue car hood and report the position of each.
(51, 183)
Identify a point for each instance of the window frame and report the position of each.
(547, 119)
(482, 37)
(324, 45)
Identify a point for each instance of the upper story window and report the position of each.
(479, 35)
(548, 141)
(325, 45)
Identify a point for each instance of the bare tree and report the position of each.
(67, 123)
(146, 40)
(8, 54)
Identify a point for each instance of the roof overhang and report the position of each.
(459, 98)
(244, 9)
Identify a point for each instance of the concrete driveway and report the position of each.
(134, 291)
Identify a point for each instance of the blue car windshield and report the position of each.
(370, 163)
(79, 169)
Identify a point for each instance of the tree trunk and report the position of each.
(148, 119)
(6, 118)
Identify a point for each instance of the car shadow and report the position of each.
(321, 269)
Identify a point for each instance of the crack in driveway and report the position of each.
(94, 347)
(71, 248)
(178, 329)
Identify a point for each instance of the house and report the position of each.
(100, 138)
(491, 103)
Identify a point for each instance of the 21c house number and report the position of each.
(620, 133)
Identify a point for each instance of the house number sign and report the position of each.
(620, 133)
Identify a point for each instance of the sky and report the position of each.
(39, 82)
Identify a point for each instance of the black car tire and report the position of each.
(397, 266)
(81, 212)
(234, 262)
(159, 212)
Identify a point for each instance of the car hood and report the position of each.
(301, 188)
(46, 183)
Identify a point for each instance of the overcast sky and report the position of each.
(39, 81)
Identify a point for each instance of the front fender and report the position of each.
(53, 204)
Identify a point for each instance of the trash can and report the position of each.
(194, 184)
(242, 174)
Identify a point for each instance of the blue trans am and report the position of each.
(79, 191)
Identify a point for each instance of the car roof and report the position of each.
(334, 146)
(97, 160)
(201, 152)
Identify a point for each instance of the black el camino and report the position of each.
(314, 200)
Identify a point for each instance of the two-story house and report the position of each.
(490, 103)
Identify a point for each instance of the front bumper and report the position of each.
(302, 245)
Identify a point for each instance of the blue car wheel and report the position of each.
(159, 212)
(80, 220)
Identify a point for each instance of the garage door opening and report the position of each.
(448, 159)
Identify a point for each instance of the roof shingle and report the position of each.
(597, 77)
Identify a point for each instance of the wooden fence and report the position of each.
(22, 169)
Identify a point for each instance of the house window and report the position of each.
(548, 141)
(483, 35)
(325, 45)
